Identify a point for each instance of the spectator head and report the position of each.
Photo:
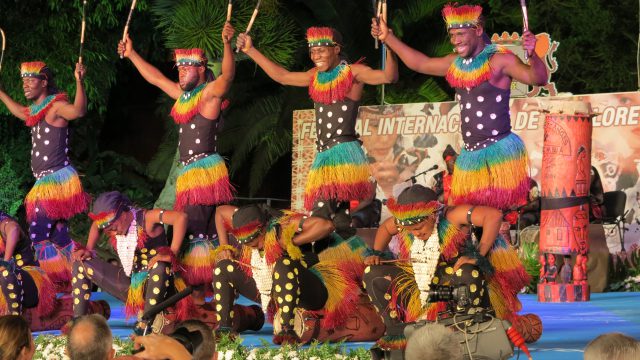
(90, 339)
(612, 346)
(433, 342)
(207, 348)
(15, 339)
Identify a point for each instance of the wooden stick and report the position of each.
(126, 25)
(229, 9)
(378, 12)
(525, 21)
(84, 24)
(253, 18)
(4, 44)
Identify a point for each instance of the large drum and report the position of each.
(566, 166)
(364, 324)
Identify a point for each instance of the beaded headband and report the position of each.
(320, 36)
(190, 57)
(33, 69)
(458, 17)
(413, 213)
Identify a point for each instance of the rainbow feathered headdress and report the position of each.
(247, 233)
(412, 213)
(33, 69)
(320, 36)
(190, 57)
(458, 17)
(104, 219)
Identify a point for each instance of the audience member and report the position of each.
(16, 342)
(612, 346)
(161, 347)
(90, 339)
(433, 342)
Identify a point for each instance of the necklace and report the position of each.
(37, 112)
(471, 72)
(333, 85)
(187, 105)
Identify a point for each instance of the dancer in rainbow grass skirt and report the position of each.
(22, 283)
(340, 172)
(492, 168)
(57, 194)
(203, 181)
(436, 249)
(145, 275)
(272, 268)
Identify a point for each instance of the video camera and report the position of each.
(479, 333)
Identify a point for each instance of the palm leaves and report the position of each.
(198, 23)
(266, 140)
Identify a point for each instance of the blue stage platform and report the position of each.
(568, 327)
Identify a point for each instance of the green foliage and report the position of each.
(624, 274)
(528, 253)
(198, 23)
(264, 141)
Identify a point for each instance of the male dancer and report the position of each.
(203, 182)
(436, 249)
(144, 276)
(340, 171)
(57, 194)
(492, 168)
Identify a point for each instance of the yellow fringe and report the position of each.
(407, 289)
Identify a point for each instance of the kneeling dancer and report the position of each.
(273, 270)
(435, 248)
(145, 277)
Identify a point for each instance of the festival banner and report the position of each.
(403, 140)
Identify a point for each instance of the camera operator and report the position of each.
(437, 238)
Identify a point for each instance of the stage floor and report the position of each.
(568, 327)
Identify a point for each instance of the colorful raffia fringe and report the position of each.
(411, 214)
(287, 225)
(465, 74)
(340, 173)
(245, 260)
(103, 219)
(496, 176)
(60, 195)
(392, 342)
(461, 16)
(185, 308)
(451, 238)
(405, 295)
(55, 263)
(135, 297)
(204, 182)
(37, 112)
(333, 85)
(508, 279)
(32, 69)
(347, 254)
(190, 57)
(187, 105)
(343, 290)
(46, 291)
(198, 261)
(405, 240)
(434, 309)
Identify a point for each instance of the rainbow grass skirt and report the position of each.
(60, 195)
(496, 176)
(340, 173)
(55, 261)
(203, 182)
(198, 261)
